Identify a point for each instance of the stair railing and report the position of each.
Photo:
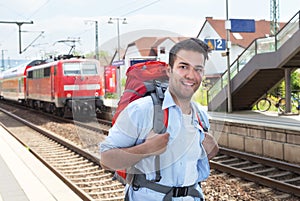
(258, 46)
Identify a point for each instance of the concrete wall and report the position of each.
(282, 144)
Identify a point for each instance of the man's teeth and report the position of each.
(189, 84)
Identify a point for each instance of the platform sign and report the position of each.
(216, 44)
(242, 25)
(118, 63)
(210, 43)
(220, 44)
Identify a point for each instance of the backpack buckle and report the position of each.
(180, 191)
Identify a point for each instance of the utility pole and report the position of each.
(96, 38)
(228, 46)
(19, 24)
(274, 17)
(96, 41)
(2, 54)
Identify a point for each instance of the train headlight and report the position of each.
(96, 94)
(69, 95)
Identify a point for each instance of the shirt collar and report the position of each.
(168, 100)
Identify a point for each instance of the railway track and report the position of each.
(268, 172)
(79, 169)
(277, 175)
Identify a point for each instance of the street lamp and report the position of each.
(110, 21)
(118, 75)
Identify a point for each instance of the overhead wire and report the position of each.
(140, 8)
(31, 15)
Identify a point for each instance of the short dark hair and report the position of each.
(193, 44)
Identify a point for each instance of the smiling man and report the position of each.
(183, 159)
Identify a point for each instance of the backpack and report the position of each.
(143, 79)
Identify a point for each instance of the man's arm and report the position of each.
(121, 158)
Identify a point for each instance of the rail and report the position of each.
(268, 172)
(258, 46)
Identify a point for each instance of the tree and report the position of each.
(295, 81)
(104, 57)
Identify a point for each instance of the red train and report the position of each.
(63, 87)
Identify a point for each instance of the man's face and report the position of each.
(186, 75)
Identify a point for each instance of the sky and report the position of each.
(55, 21)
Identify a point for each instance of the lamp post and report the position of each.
(118, 75)
(110, 21)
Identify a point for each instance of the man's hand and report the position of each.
(210, 145)
(156, 143)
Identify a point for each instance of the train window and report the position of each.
(40, 73)
(71, 69)
(47, 72)
(29, 75)
(34, 74)
(89, 68)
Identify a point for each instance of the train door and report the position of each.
(52, 76)
(29, 76)
(19, 88)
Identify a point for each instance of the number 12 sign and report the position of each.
(216, 44)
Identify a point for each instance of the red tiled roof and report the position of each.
(262, 29)
(147, 46)
(144, 45)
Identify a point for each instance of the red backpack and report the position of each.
(140, 82)
(143, 79)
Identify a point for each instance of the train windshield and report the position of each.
(84, 68)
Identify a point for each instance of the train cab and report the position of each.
(68, 85)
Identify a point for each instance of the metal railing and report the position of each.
(258, 46)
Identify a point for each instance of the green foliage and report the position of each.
(111, 95)
(200, 96)
(295, 81)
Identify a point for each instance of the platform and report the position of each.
(252, 117)
(25, 178)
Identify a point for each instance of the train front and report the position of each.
(82, 87)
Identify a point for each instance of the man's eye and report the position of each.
(183, 66)
(199, 70)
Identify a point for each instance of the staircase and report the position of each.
(259, 68)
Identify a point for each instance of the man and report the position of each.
(183, 159)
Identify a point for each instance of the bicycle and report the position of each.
(264, 104)
(295, 102)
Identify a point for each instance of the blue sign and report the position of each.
(118, 63)
(216, 44)
(210, 43)
(241, 25)
(220, 44)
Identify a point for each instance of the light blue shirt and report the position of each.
(184, 163)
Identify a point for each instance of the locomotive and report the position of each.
(65, 87)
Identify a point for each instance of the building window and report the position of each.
(162, 50)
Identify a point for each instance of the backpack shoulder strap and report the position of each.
(200, 116)
(160, 120)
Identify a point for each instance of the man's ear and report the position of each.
(169, 70)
